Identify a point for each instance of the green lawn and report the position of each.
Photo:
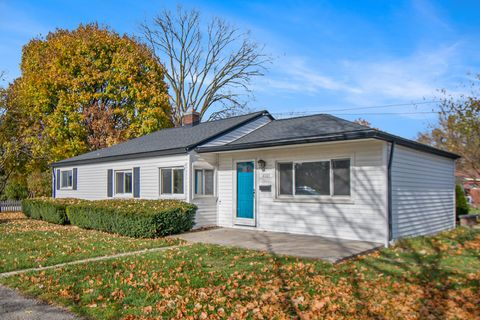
(26, 243)
(423, 278)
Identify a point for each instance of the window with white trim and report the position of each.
(66, 179)
(171, 181)
(204, 184)
(314, 178)
(123, 182)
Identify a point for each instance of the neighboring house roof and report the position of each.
(308, 129)
(315, 128)
(166, 141)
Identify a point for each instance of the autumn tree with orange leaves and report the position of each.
(81, 90)
(458, 127)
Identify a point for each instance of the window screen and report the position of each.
(178, 181)
(166, 181)
(209, 184)
(119, 182)
(341, 177)
(171, 181)
(286, 178)
(123, 182)
(66, 179)
(128, 182)
(198, 181)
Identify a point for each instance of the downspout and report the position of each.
(54, 186)
(390, 213)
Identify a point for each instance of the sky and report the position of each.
(383, 61)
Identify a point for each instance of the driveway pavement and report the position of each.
(14, 306)
(304, 246)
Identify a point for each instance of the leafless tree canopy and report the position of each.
(205, 70)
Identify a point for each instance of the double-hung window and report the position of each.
(66, 179)
(123, 182)
(171, 181)
(314, 178)
(204, 185)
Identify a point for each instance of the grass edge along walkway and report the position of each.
(113, 256)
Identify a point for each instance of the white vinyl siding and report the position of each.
(92, 178)
(207, 205)
(360, 217)
(423, 198)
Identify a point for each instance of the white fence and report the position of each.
(10, 205)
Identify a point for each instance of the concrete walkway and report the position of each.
(329, 249)
(14, 306)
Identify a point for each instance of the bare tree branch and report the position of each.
(204, 74)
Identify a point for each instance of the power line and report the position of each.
(385, 113)
(359, 107)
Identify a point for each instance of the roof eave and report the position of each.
(352, 135)
(66, 163)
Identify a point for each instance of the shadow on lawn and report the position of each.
(289, 307)
(423, 269)
(9, 220)
(418, 265)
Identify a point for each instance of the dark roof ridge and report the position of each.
(342, 119)
(304, 116)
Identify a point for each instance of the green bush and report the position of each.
(134, 218)
(48, 209)
(16, 190)
(461, 201)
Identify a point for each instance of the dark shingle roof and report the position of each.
(166, 141)
(300, 127)
(316, 128)
(308, 129)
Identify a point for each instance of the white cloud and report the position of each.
(367, 81)
(297, 76)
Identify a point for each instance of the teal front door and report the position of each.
(245, 193)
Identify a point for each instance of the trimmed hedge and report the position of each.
(48, 209)
(134, 218)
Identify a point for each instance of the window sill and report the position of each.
(204, 197)
(172, 196)
(66, 188)
(124, 195)
(340, 200)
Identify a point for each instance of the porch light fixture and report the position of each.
(261, 164)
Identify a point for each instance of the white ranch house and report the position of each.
(316, 175)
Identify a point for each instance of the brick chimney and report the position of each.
(190, 118)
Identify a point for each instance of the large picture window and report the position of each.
(314, 178)
(171, 181)
(66, 180)
(123, 182)
(204, 184)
